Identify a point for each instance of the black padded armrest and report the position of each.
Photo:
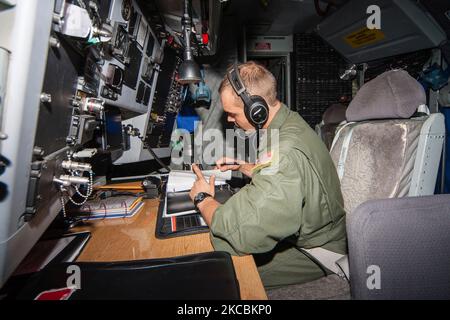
(208, 276)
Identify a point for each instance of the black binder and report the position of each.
(181, 202)
(208, 276)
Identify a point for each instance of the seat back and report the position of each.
(331, 119)
(400, 249)
(383, 151)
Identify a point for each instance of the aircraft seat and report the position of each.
(331, 119)
(389, 148)
(391, 145)
(400, 249)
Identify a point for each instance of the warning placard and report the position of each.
(364, 37)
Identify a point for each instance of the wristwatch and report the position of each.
(200, 197)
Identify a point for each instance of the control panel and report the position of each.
(130, 59)
(167, 102)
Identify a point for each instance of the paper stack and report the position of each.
(183, 180)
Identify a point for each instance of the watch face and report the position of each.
(200, 197)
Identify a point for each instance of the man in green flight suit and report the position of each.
(277, 217)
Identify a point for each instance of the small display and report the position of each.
(140, 92)
(121, 44)
(114, 77)
(132, 69)
(113, 137)
(147, 70)
(148, 91)
(92, 74)
(133, 22)
(150, 45)
(142, 33)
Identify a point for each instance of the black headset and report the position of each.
(256, 108)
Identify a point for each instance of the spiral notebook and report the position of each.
(110, 208)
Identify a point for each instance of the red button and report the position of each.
(205, 38)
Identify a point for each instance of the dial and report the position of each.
(127, 10)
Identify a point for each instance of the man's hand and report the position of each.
(226, 164)
(201, 185)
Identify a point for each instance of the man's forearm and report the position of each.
(207, 208)
(247, 169)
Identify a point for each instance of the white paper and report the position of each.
(180, 180)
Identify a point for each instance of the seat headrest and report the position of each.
(335, 114)
(392, 95)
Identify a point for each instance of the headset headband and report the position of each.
(238, 86)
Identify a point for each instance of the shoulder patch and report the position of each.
(267, 164)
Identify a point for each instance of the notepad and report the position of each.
(180, 180)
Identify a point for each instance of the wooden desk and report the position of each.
(134, 239)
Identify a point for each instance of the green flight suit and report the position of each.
(300, 205)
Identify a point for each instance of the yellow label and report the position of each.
(364, 37)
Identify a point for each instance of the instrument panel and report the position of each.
(102, 95)
(129, 68)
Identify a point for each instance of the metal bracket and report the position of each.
(33, 197)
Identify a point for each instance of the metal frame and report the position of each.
(30, 30)
(428, 156)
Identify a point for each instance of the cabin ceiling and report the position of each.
(263, 17)
(275, 17)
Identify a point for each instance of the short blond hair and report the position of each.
(258, 81)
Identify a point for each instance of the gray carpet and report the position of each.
(327, 288)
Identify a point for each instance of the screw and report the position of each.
(46, 97)
(76, 103)
(38, 151)
(54, 43)
(57, 19)
(70, 140)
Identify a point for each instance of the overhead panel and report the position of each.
(405, 27)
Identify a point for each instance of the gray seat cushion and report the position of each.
(327, 288)
(380, 159)
(409, 240)
(392, 95)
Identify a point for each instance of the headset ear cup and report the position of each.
(258, 112)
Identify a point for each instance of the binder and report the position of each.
(176, 207)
